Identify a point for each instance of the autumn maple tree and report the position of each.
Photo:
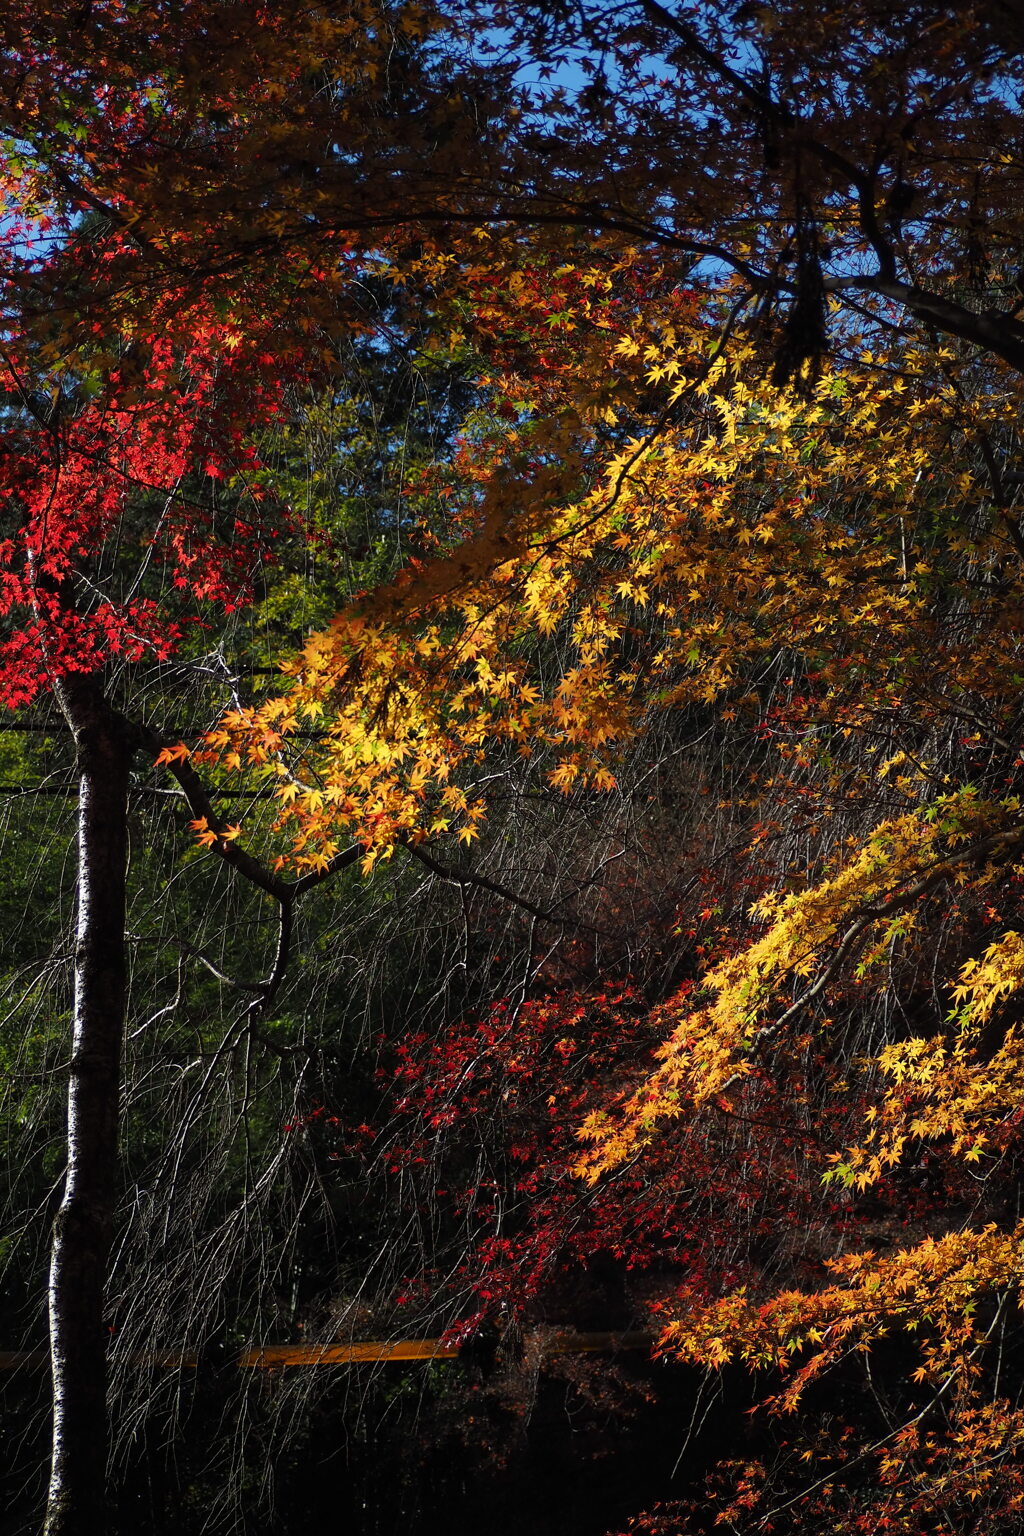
(806, 525)
(738, 291)
(120, 530)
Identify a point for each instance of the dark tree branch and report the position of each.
(481, 882)
(992, 330)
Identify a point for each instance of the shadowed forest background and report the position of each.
(510, 767)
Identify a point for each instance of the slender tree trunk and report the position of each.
(83, 1229)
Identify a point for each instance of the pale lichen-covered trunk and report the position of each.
(83, 1230)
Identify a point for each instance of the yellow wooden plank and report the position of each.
(274, 1356)
(271, 1356)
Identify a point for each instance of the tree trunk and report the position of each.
(76, 1504)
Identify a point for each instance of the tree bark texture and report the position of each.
(83, 1230)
